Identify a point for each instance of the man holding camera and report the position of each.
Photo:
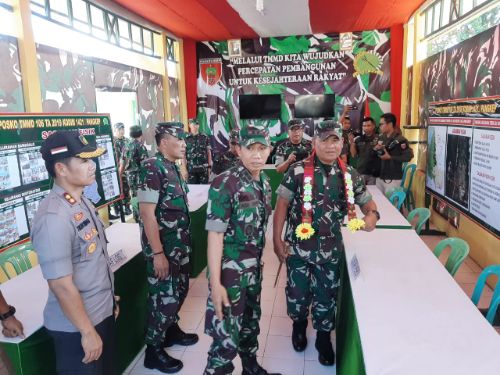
(362, 146)
(295, 148)
(393, 150)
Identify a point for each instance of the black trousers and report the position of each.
(69, 351)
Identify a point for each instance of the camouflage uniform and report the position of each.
(197, 149)
(161, 183)
(226, 160)
(120, 146)
(314, 264)
(135, 153)
(286, 148)
(239, 207)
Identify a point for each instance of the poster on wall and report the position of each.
(24, 180)
(290, 67)
(464, 152)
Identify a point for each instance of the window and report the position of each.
(89, 18)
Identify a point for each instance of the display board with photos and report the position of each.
(24, 180)
(463, 157)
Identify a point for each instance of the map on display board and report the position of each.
(463, 157)
(24, 181)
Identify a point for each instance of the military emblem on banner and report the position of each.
(211, 71)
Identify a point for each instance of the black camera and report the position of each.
(300, 155)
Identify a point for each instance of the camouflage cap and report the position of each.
(233, 136)
(173, 128)
(252, 134)
(135, 131)
(327, 128)
(119, 125)
(294, 123)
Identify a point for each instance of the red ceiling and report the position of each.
(217, 20)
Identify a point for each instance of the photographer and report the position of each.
(294, 149)
(362, 147)
(393, 150)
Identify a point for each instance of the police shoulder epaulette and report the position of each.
(69, 198)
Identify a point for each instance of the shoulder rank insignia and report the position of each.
(92, 248)
(69, 198)
(78, 216)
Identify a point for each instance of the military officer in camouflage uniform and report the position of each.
(135, 153)
(228, 159)
(239, 204)
(295, 148)
(198, 155)
(313, 265)
(119, 148)
(166, 242)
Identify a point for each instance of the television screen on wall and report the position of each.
(315, 106)
(260, 107)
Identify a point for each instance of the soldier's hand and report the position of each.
(291, 158)
(92, 345)
(281, 249)
(370, 222)
(160, 264)
(117, 306)
(12, 327)
(220, 300)
(351, 138)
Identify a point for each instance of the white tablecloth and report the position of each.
(28, 292)
(413, 317)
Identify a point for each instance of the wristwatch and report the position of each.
(377, 214)
(8, 314)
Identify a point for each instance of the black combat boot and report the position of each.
(326, 355)
(175, 336)
(156, 358)
(127, 210)
(252, 367)
(299, 338)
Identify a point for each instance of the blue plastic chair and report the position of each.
(409, 170)
(459, 251)
(423, 215)
(478, 290)
(397, 199)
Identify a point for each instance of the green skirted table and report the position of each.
(274, 180)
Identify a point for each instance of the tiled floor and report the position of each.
(275, 348)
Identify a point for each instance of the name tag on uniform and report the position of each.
(83, 224)
(249, 204)
(354, 266)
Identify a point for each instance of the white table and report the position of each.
(413, 317)
(28, 292)
(197, 196)
(390, 217)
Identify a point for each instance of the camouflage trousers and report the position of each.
(133, 181)
(165, 297)
(126, 195)
(198, 176)
(313, 284)
(238, 331)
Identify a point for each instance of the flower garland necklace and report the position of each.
(304, 231)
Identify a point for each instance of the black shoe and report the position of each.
(326, 355)
(175, 335)
(299, 338)
(112, 217)
(252, 367)
(127, 210)
(156, 358)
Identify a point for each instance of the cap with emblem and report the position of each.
(254, 134)
(69, 143)
(173, 128)
(295, 124)
(135, 131)
(325, 129)
(119, 125)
